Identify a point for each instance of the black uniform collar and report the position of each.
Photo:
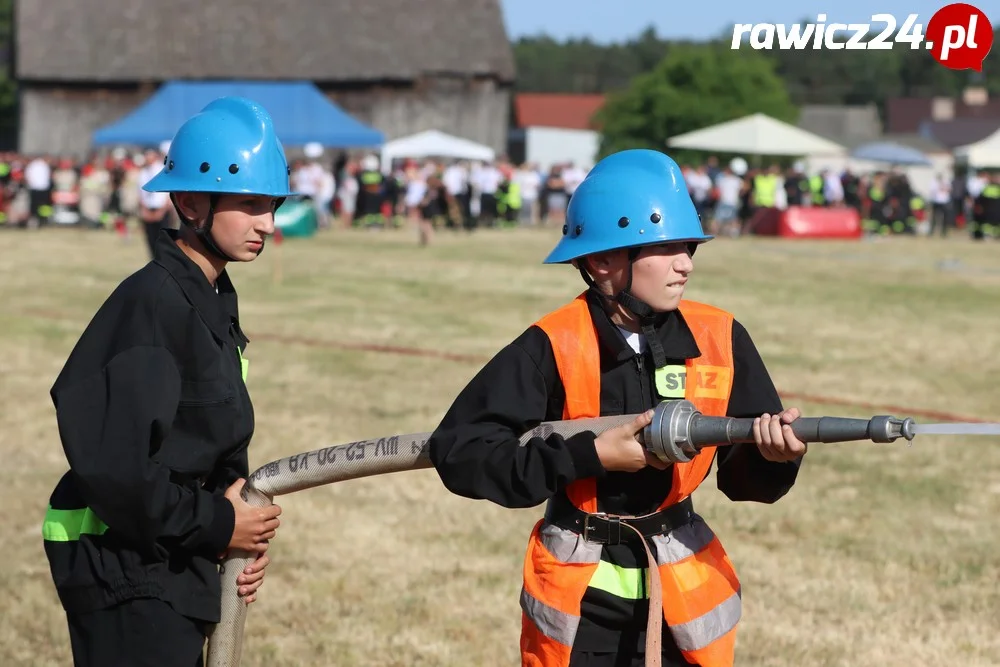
(674, 334)
(220, 311)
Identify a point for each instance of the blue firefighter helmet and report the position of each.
(230, 147)
(629, 199)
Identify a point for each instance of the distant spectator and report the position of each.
(38, 180)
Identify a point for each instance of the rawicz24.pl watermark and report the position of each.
(959, 36)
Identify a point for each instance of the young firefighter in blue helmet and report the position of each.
(625, 344)
(155, 418)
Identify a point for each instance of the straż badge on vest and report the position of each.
(671, 382)
(710, 382)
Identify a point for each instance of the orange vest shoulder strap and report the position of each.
(578, 358)
(701, 317)
(713, 332)
(708, 385)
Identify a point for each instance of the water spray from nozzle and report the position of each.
(959, 428)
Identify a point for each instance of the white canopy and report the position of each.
(434, 143)
(983, 153)
(756, 134)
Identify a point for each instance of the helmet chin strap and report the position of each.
(204, 233)
(642, 310)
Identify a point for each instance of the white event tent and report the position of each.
(984, 153)
(434, 144)
(756, 134)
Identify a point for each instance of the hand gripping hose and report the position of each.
(326, 466)
(677, 432)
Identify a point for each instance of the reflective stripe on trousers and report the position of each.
(568, 547)
(674, 549)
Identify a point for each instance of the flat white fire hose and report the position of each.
(676, 434)
(326, 466)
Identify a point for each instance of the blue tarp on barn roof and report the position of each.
(301, 114)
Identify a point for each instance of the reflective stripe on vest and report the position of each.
(816, 189)
(765, 189)
(244, 364)
(69, 525)
(624, 582)
(700, 590)
(513, 197)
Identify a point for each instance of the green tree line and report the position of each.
(811, 76)
(659, 88)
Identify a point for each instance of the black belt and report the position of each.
(607, 528)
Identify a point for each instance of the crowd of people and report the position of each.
(729, 198)
(458, 194)
(358, 191)
(733, 199)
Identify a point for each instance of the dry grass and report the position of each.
(881, 555)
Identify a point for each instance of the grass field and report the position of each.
(881, 555)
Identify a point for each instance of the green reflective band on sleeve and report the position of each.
(244, 365)
(69, 525)
(625, 582)
(671, 381)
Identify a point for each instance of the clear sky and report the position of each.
(618, 20)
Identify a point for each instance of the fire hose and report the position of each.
(677, 433)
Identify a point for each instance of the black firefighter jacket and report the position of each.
(155, 419)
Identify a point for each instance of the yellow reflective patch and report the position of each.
(69, 525)
(624, 582)
(671, 381)
(244, 365)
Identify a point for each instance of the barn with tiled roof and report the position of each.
(397, 65)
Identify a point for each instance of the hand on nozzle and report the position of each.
(620, 451)
(254, 526)
(774, 436)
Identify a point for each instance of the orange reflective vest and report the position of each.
(700, 589)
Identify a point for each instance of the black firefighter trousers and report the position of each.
(137, 633)
(589, 659)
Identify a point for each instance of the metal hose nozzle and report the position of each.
(679, 431)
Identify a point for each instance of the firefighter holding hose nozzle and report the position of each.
(155, 418)
(591, 595)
